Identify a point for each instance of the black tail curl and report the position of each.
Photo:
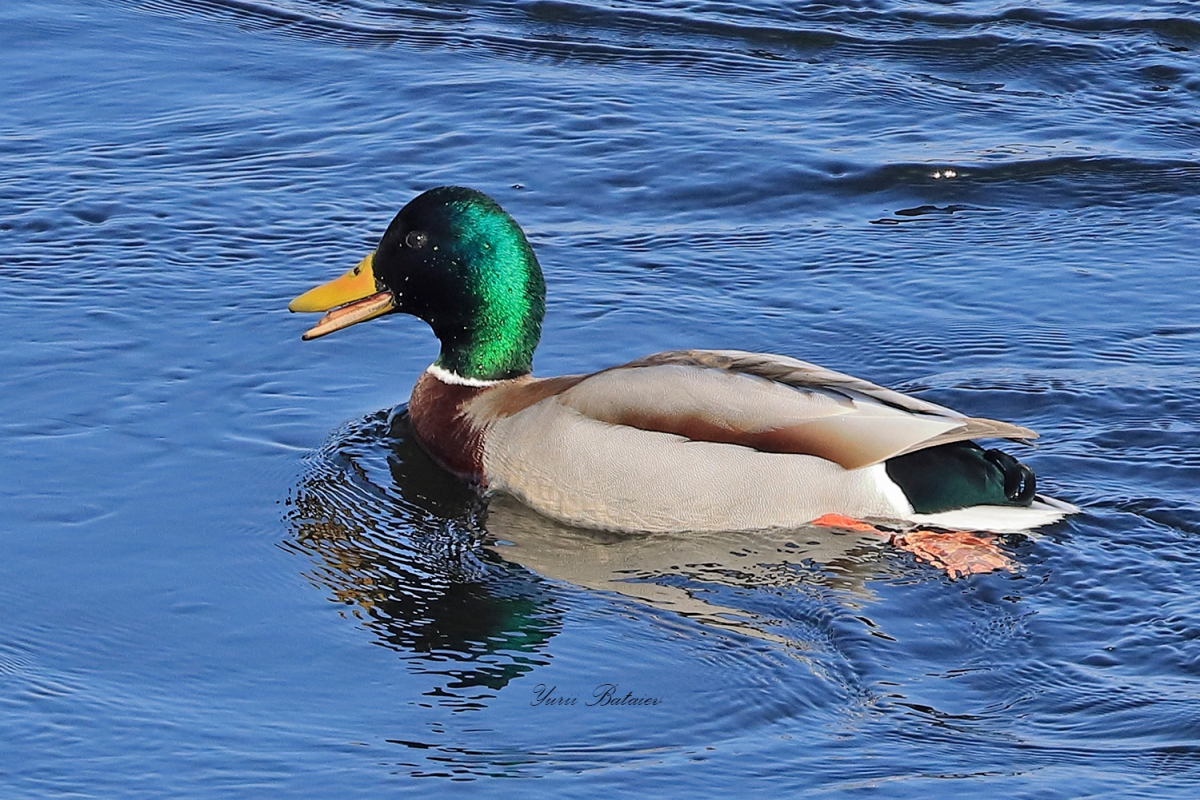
(1020, 485)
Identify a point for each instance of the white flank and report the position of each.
(889, 490)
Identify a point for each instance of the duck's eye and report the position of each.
(416, 239)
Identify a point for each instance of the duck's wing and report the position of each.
(772, 404)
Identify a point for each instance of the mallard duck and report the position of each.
(677, 441)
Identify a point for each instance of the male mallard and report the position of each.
(684, 440)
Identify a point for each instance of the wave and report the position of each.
(772, 39)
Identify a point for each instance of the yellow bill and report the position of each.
(352, 298)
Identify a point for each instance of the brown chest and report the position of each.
(444, 429)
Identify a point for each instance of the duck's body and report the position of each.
(686, 440)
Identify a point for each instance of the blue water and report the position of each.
(228, 572)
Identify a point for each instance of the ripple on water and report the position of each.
(691, 175)
(471, 598)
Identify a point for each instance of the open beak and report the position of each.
(354, 297)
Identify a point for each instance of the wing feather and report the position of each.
(773, 404)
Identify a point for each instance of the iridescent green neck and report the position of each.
(501, 297)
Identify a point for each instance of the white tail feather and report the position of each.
(1000, 519)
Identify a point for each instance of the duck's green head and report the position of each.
(455, 259)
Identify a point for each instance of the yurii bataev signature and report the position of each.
(606, 694)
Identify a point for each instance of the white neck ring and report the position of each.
(446, 376)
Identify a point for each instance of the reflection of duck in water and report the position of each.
(397, 541)
(687, 573)
(680, 441)
(393, 538)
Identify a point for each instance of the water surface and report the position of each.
(229, 573)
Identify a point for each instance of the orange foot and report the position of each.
(958, 553)
(850, 523)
